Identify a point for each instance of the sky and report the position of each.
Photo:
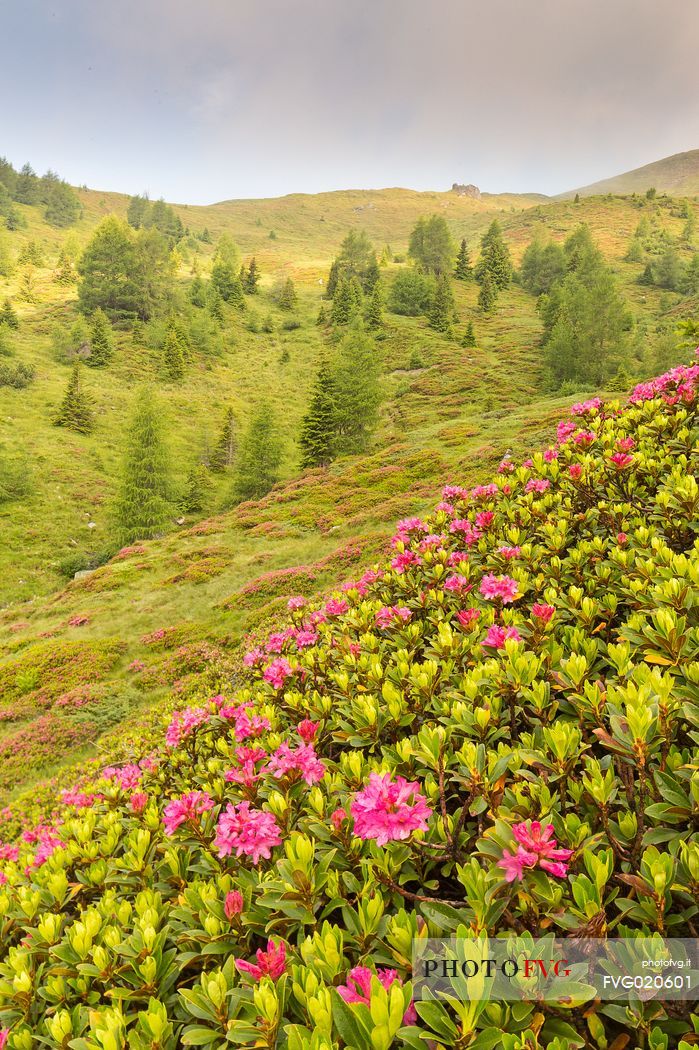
(205, 100)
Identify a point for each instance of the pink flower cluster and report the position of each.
(388, 810)
(388, 615)
(128, 777)
(583, 407)
(247, 832)
(358, 988)
(502, 587)
(277, 672)
(404, 560)
(183, 723)
(188, 807)
(537, 485)
(457, 584)
(536, 845)
(271, 963)
(233, 904)
(685, 379)
(301, 760)
(496, 636)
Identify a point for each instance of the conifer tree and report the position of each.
(216, 306)
(463, 269)
(142, 505)
(252, 278)
(646, 276)
(341, 309)
(196, 490)
(101, 340)
(322, 317)
(65, 274)
(318, 426)
(173, 355)
(495, 258)
(288, 299)
(469, 338)
(333, 278)
(197, 292)
(224, 454)
(138, 211)
(75, 411)
(371, 274)
(356, 295)
(260, 456)
(442, 311)
(374, 310)
(691, 277)
(8, 315)
(357, 390)
(488, 294)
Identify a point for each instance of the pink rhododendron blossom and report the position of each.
(183, 723)
(233, 904)
(412, 525)
(254, 657)
(469, 534)
(510, 552)
(387, 810)
(454, 492)
(403, 561)
(247, 832)
(485, 519)
(4, 1035)
(622, 539)
(502, 587)
(496, 636)
(625, 444)
(513, 864)
(189, 807)
(537, 841)
(358, 988)
(550, 455)
(485, 491)
(307, 730)
(297, 602)
(575, 471)
(506, 466)
(388, 614)
(583, 407)
(537, 485)
(306, 638)
(337, 817)
(277, 672)
(128, 776)
(79, 799)
(138, 801)
(457, 584)
(543, 612)
(301, 759)
(621, 460)
(448, 508)
(467, 617)
(456, 557)
(271, 963)
(564, 430)
(336, 606)
(584, 437)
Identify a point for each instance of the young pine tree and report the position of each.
(469, 338)
(216, 306)
(196, 490)
(463, 270)
(8, 315)
(495, 258)
(317, 439)
(101, 340)
(75, 411)
(64, 274)
(374, 310)
(288, 300)
(333, 278)
(197, 292)
(259, 458)
(357, 390)
(322, 318)
(252, 277)
(488, 294)
(224, 454)
(343, 303)
(173, 354)
(142, 505)
(442, 311)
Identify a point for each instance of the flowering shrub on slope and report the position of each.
(496, 731)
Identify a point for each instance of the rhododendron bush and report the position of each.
(496, 730)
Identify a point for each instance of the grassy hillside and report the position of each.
(80, 656)
(677, 175)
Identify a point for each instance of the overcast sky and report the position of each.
(204, 100)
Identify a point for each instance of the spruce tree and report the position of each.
(357, 390)
(173, 354)
(224, 454)
(691, 277)
(252, 278)
(374, 310)
(469, 338)
(216, 306)
(342, 306)
(463, 269)
(64, 274)
(371, 275)
(442, 311)
(333, 278)
(8, 315)
(488, 294)
(196, 490)
(197, 292)
(495, 257)
(75, 411)
(317, 438)
(142, 506)
(259, 458)
(322, 318)
(288, 299)
(101, 340)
